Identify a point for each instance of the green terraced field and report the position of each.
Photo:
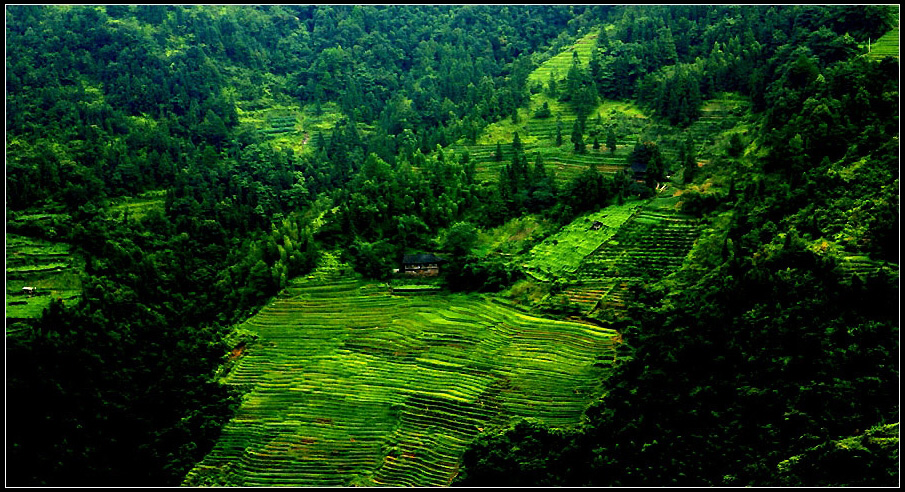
(351, 385)
(654, 242)
(139, 206)
(724, 112)
(539, 134)
(887, 45)
(289, 125)
(560, 63)
(560, 254)
(49, 266)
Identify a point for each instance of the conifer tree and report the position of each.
(516, 144)
(603, 41)
(578, 138)
(552, 89)
(687, 159)
(611, 140)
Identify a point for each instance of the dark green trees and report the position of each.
(688, 160)
(578, 138)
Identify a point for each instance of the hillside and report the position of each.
(351, 384)
(666, 239)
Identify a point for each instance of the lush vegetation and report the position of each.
(175, 173)
(352, 383)
(749, 367)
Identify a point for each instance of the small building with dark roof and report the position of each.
(639, 171)
(422, 264)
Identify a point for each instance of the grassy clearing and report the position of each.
(353, 385)
(560, 254)
(513, 236)
(51, 267)
(139, 206)
(291, 125)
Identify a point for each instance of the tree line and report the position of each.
(746, 369)
(105, 101)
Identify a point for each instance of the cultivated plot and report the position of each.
(351, 385)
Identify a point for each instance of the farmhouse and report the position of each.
(425, 264)
(639, 171)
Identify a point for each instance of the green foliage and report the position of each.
(169, 147)
(543, 111)
(491, 457)
(796, 348)
(866, 460)
(487, 274)
(461, 238)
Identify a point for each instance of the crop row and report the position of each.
(369, 388)
(562, 252)
(561, 62)
(652, 244)
(887, 45)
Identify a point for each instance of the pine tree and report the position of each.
(687, 159)
(603, 41)
(611, 140)
(578, 138)
(516, 144)
(552, 89)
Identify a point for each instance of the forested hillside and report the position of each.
(170, 169)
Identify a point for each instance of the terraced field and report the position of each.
(289, 125)
(560, 254)
(539, 134)
(862, 266)
(139, 206)
(724, 112)
(351, 385)
(50, 267)
(654, 242)
(887, 45)
(560, 63)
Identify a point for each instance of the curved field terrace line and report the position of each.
(361, 387)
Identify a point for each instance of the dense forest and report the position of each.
(745, 369)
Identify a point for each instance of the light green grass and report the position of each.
(887, 45)
(560, 63)
(560, 254)
(49, 266)
(353, 386)
(307, 123)
(139, 206)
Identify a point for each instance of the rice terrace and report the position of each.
(352, 385)
(452, 245)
